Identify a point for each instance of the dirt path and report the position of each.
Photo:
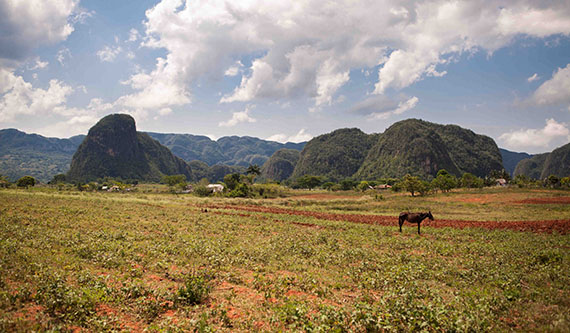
(548, 226)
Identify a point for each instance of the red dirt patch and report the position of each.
(549, 226)
(322, 196)
(543, 201)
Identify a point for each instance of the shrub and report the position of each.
(26, 181)
(195, 290)
(202, 191)
(240, 191)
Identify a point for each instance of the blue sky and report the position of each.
(288, 71)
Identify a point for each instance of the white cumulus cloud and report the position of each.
(109, 53)
(532, 138)
(239, 117)
(555, 91)
(28, 24)
(301, 136)
(307, 49)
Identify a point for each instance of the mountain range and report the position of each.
(410, 146)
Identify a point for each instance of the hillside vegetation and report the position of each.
(541, 166)
(228, 150)
(113, 148)
(280, 165)
(335, 155)
(511, 159)
(24, 154)
(407, 147)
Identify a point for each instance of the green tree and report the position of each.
(565, 182)
(424, 187)
(412, 184)
(232, 180)
(26, 181)
(308, 181)
(252, 171)
(58, 179)
(553, 181)
(444, 181)
(469, 180)
(328, 186)
(174, 180)
(348, 184)
(363, 186)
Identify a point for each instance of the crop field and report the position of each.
(493, 260)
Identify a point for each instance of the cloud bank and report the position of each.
(308, 48)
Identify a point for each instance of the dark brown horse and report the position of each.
(414, 218)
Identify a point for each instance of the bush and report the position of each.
(240, 191)
(26, 181)
(195, 290)
(202, 191)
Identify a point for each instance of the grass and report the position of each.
(134, 261)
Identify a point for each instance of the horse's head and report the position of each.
(429, 215)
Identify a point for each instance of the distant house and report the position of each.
(501, 182)
(114, 189)
(383, 187)
(215, 188)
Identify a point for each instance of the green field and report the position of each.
(156, 261)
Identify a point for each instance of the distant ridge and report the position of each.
(24, 154)
(541, 166)
(229, 150)
(511, 159)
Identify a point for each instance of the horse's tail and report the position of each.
(403, 217)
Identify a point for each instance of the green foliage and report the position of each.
(511, 159)
(26, 181)
(113, 148)
(232, 180)
(253, 169)
(280, 165)
(173, 180)
(553, 181)
(412, 184)
(328, 186)
(98, 262)
(202, 191)
(308, 181)
(335, 155)
(195, 290)
(363, 186)
(565, 182)
(231, 151)
(421, 148)
(34, 155)
(240, 191)
(444, 181)
(348, 184)
(469, 180)
(58, 179)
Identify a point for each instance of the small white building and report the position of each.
(215, 188)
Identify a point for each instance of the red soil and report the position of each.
(548, 226)
(543, 201)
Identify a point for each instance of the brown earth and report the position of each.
(543, 201)
(547, 226)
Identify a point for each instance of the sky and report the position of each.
(288, 70)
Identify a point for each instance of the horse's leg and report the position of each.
(419, 227)
(401, 221)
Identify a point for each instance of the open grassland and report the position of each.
(135, 261)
